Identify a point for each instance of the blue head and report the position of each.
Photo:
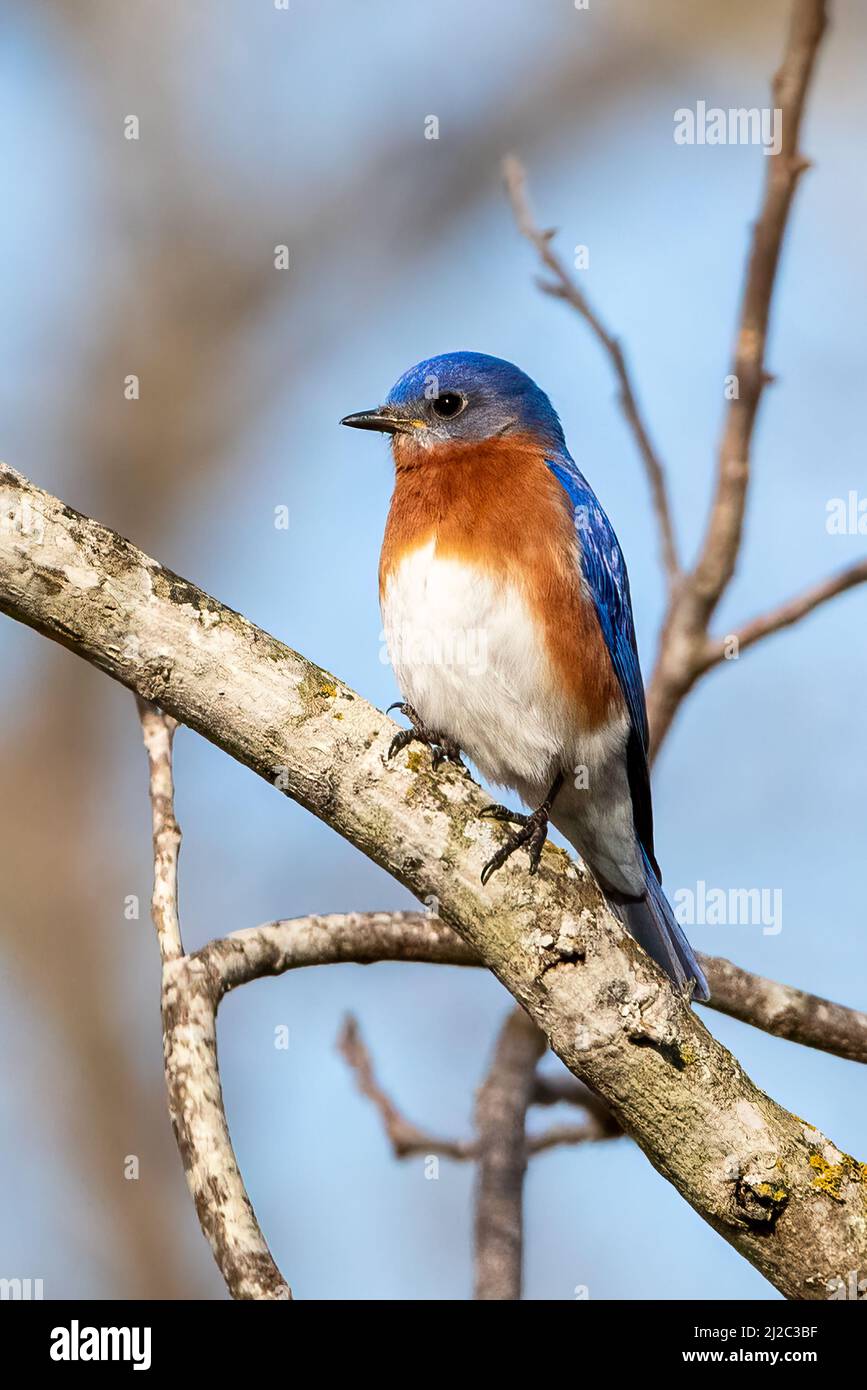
(464, 397)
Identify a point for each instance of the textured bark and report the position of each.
(189, 1002)
(786, 1012)
(192, 988)
(769, 1183)
(158, 731)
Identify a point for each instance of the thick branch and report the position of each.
(739, 1158)
(367, 937)
(564, 286)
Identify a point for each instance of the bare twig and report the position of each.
(686, 651)
(408, 1141)
(560, 1136)
(787, 614)
(225, 1212)
(683, 645)
(405, 1138)
(722, 541)
(193, 987)
(336, 938)
(366, 937)
(159, 731)
(565, 287)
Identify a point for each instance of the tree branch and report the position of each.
(564, 286)
(408, 1141)
(788, 613)
(189, 1009)
(192, 988)
(362, 938)
(716, 563)
(562, 1136)
(158, 731)
(786, 1012)
(746, 1164)
(686, 652)
(566, 1090)
(501, 1114)
(681, 659)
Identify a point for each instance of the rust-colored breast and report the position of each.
(497, 506)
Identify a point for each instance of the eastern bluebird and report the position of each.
(506, 608)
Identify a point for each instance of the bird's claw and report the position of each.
(399, 742)
(442, 748)
(504, 813)
(532, 831)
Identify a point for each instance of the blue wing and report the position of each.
(604, 570)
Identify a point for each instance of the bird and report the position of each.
(508, 620)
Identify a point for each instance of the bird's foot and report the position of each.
(532, 831)
(443, 749)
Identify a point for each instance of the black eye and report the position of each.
(448, 404)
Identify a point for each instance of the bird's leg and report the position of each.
(532, 831)
(443, 749)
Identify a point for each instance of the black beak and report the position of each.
(380, 419)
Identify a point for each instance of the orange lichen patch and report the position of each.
(496, 506)
(831, 1177)
(774, 1194)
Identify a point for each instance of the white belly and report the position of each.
(468, 656)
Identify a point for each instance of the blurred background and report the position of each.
(262, 127)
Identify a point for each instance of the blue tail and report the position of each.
(653, 924)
